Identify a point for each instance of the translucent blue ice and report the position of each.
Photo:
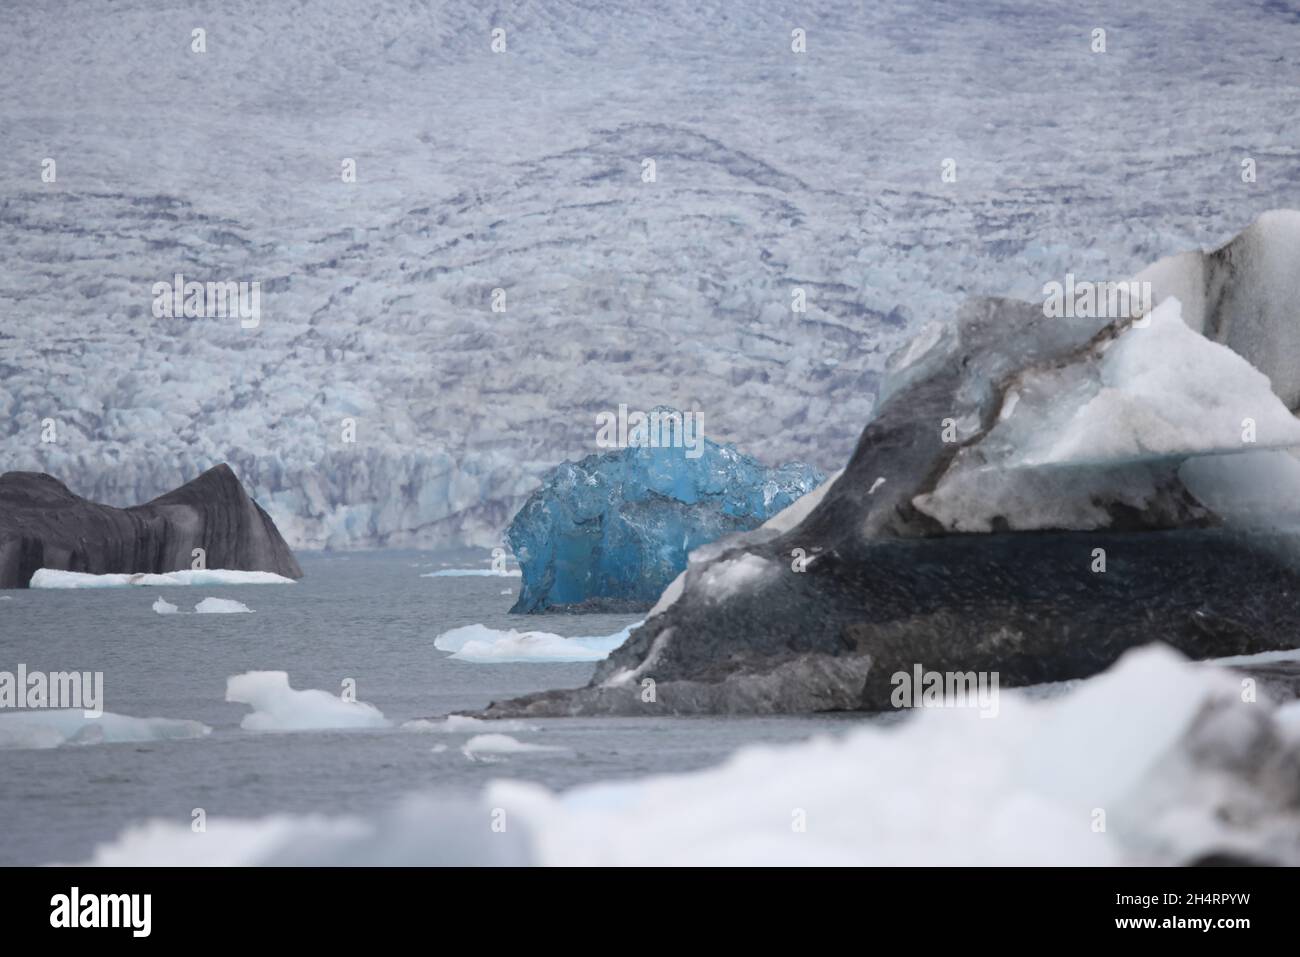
(617, 526)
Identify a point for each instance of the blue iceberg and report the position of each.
(612, 531)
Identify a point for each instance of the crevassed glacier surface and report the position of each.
(522, 171)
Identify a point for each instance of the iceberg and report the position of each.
(59, 726)
(611, 531)
(49, 533)
(220, 606)
(1032, 497)
(278, 707)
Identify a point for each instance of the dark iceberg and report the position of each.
(1032, 497)
(612, 531)
(44, 525)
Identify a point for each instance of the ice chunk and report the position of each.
(277, 707)
(618, 526)
(220, 606)
(479, 643)
(57, 726)
(163, 607)
(1075, 444)
(54, 578)
(502, 744)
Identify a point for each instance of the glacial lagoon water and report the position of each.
(369, 617)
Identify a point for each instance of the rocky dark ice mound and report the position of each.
(44, 525)
(1032, 496)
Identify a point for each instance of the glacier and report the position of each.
(522, 171)
(614, 529)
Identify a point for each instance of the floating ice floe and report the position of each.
(484, 645)
(58, 726)
(54, 578)
(278, 707)
(221, 606)
(208, 606)
(1057, 781)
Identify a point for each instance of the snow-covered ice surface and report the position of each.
(522, 171)
(58, 726)
(943, 787)
(278, 707)
(56, 578)
(484, 645)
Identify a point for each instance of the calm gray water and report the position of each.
(366, 616)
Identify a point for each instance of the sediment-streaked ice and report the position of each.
(55, 578)
(58, 726)
(484, 645)
(278, 707)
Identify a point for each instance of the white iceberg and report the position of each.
(55, 578)
(484, 645)
(278, 707)
(163, 607)
(219, 606)
(58, 726)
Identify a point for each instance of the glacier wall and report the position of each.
(522, 171)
